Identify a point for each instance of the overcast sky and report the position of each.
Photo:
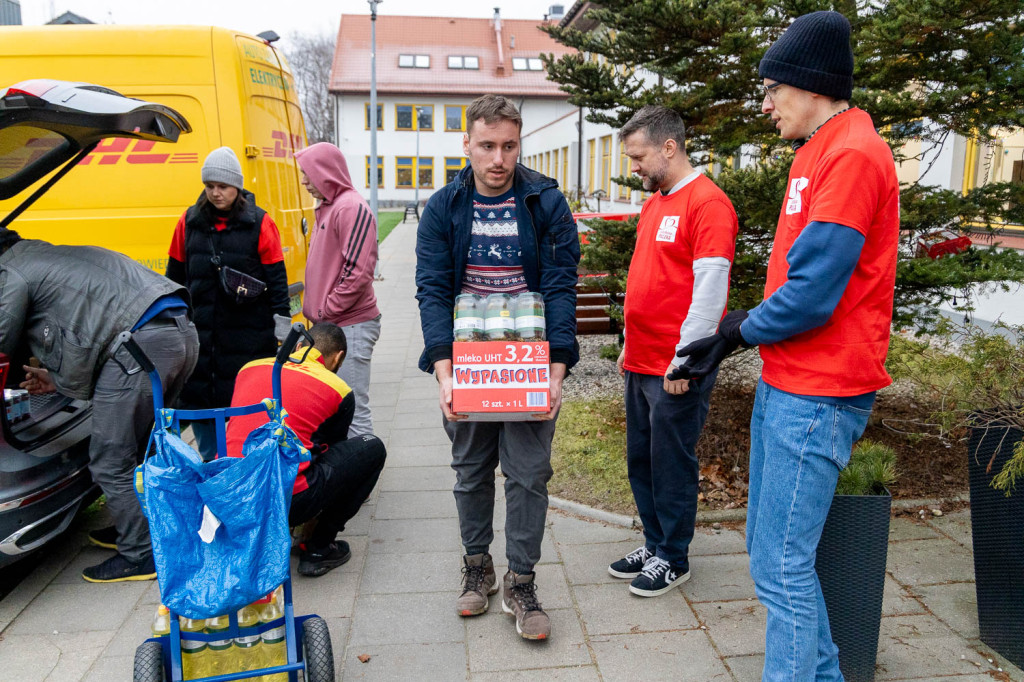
(283, 16)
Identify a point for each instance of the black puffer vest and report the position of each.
(230, 333)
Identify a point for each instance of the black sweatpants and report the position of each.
(339, 481)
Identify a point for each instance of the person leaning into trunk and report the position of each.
(822, 329)
(68, 304)
(499, 227)
(676, 293)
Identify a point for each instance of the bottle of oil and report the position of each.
(219, 649)
(195, 656)
(274, 652)
(247, 650)
(161, 621)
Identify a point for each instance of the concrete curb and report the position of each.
(715, 515)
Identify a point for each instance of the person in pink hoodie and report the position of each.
(339, 268)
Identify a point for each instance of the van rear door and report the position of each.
(274, 131)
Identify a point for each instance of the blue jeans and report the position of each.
(798, 445)
(661, 458)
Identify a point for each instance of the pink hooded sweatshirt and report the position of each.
(343, 246)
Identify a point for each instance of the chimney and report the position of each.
(497, 34)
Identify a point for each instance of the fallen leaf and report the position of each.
(363, 658)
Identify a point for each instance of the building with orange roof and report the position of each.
(428, 71)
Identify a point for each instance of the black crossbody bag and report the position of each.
(235, 283)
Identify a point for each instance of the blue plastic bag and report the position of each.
(250, 496)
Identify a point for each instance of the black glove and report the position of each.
(704, 355)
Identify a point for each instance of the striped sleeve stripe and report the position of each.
(356, 241)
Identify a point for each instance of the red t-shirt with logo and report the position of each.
(697, 221)
(845, 174)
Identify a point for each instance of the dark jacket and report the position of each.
(70, 303)
(551, 252)
(231, 333)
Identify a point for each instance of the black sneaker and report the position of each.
(104, 537)
(316, 562)
(118, 569)
(658, 577)
(630, 565)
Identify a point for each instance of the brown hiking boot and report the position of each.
(479, 582)
(519, 598)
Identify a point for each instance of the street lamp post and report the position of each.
(373, 106)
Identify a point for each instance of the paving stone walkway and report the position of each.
(394, 601)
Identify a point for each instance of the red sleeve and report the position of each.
(270, 242)
(715, 228)
(177, 250)
(837, 199)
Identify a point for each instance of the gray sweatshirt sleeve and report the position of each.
(710, 295)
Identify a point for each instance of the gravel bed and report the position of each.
(596, 378)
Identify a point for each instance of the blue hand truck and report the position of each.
(307, 638)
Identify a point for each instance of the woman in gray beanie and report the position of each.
(227, 251)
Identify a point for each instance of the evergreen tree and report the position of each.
(923, 69)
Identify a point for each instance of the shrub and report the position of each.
(871, 470)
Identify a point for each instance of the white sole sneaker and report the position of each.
(655, 593)
(621, 574)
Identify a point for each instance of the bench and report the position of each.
(411, 211)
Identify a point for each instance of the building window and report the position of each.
(409, 167)
(454, 118)
(417, 61)
(404, 119)
(565, 166)
(425, 172)
(380, 117)
(591, 159)
(624, 164)
(554, 165)
(380, 171)
(452, 166)
(463, 62)
(548, 170)
(403, 171)
(606, 165)
(527, 64)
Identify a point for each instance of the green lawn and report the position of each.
(589, 455)
(386, 222)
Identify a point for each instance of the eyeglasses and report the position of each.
(768, 89)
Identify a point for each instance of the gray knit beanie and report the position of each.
(222, 166)
(814, 54)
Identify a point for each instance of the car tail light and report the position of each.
(31, 88)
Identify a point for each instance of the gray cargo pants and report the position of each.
(122, 416)
(355, 371)
(524, 451)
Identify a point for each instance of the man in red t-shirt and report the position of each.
(676, 293)
(823, 331)
(320, 405)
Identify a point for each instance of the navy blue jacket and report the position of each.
(551, 252)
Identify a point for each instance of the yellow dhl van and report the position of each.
(235, 90)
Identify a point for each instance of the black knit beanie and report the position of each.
(814, 54)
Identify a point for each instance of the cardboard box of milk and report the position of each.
(501, 380)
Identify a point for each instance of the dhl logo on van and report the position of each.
(284, 145)
(118, 149)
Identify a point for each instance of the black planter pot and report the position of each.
(997, 529)
(851, 568)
